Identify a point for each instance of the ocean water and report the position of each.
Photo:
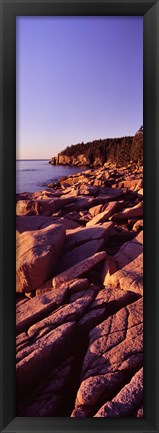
(34, 175)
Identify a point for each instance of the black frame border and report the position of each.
(150, 12)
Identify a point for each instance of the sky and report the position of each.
(77, 79)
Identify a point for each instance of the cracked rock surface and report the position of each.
(79, 296)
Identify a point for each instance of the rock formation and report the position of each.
(121, 150)
(79, 300)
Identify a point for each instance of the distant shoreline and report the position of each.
(41, 159)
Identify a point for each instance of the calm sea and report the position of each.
(34, 175)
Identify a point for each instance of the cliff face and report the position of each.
(73, 160)
(62, 159)
(121, 150)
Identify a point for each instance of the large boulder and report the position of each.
(37, 253)
(95, 210)
(79, 269)
(48, 207)
(87, 190)
(34, 222)
(78, 254)
(67, 223)
(80, 236)
(130, 277)
(27, 207)
(128, 213)
(129, 251)
(104, 216)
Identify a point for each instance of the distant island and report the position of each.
(121, 151)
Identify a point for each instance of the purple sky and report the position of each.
(78, 79)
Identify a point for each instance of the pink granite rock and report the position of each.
(79, 269)
(130, 277)
(123, 404)
(37, 253)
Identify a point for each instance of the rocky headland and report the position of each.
(95, 153)
(79, 283)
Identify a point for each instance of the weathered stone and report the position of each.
(87, 190)
(114, 351)
(140, 192)
(93, 389)
(134, 183)
(110, 193)
(73, 216)
(75, 285)
(104, 216)
(78, 254)
(139, 237)
(37, 253)
(118, 236)
(133, 212)
(98, 182)
(91, 319)
(45, 194)
(81, 293)
(66, 313)
(81, 412)
(130, 277)
(80, 236)
(42, 353)
(139, 185)
(95, 210)
(27, 207)
(20, 299)
(109, 267)
(112, 300)
(78, 284)
(35, 222)
(77, 335)
(107, 302)
(37, 308)
(138, 225)
(79, 269)
(66, 223)
(129, 251)
(126, 400)
(30, 295)
(85, 218)
(49, 206)
(129, 195)
(84, 202)
(47, 398)
(45, 288)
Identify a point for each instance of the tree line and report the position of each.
(119, 150)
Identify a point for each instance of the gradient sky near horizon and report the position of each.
(78, 79)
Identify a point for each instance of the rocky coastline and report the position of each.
(96, 153)
(79, 295)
